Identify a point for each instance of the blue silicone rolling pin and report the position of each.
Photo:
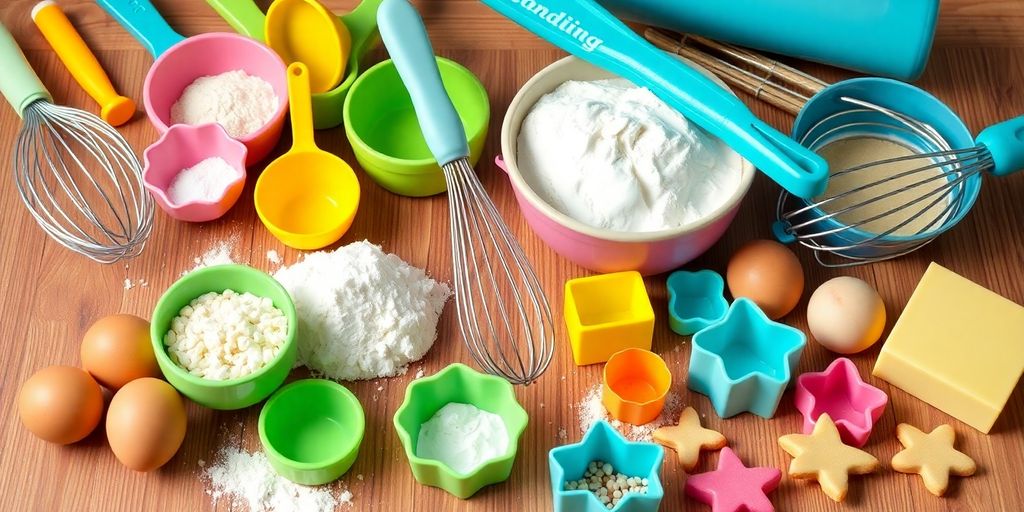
(588, 31)
(891, 38)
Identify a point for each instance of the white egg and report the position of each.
(846, 315)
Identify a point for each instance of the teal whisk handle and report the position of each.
(405, 37)
(1005, 142)
(588, 31)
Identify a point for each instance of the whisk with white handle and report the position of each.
(873, 210)
(494, 282)
(79, 178)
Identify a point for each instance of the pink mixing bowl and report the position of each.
(213, 54)
(180, 61)
(183, 146)
(597, 249)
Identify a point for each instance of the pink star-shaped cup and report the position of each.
(854, 405)
(734, 487)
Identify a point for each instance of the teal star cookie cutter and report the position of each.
(602, 442)
(744, 362)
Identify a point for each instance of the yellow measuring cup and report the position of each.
(72, 50)
(307, 197)
(305, 31)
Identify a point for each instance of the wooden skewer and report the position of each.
(788, 75)
(733, 75)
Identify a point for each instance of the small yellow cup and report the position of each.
(607, 313)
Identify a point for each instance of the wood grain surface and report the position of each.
(49, 296)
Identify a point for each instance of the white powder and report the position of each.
(462, 437)
(612, 155)
(205, 181)
(219, 254)
(362, 314)
(591, 410)
(274, 257)
(248, 480)
(239, 102)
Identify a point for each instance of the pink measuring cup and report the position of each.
(179, 61)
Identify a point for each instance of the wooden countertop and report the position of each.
(50, 296)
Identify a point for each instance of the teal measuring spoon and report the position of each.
(586, 30)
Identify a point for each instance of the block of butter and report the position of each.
(957, 346)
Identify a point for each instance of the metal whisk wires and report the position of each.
(493, 282)
(931, 196)
(82, 182)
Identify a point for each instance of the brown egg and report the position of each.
(146, 424)
(117, 350)
(767, 273)
(60, 404)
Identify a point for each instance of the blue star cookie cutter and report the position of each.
(696, 300)
(602, 442)
(744, 362)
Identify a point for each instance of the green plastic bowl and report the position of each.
(232, 393)
(311, 430)
(381, 125)
(460, 384)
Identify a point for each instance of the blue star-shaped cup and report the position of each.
(695, 300)
(744, 361)
(604, 443)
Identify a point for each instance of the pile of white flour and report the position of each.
(247, 479)
(239, 102)
(612, 155)
(362, 314)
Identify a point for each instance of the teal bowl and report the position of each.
(311, 430)
(232, 393)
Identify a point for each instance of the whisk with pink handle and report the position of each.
(503, 313)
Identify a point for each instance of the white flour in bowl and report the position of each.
(238, 101)
(362, 314)
(613, 156)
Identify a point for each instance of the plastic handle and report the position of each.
(405, 37)
(144, 23)
(362, 25)
(18, 81)
(301, 107)
(1005, 141)
(243, 15)
(586, 30)
(79, 59)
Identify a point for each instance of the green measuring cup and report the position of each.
(247, 19)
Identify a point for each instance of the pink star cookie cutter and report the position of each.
(734, 487)
(854, 405)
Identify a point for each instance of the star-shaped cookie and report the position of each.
(821, 455)
(734, 487)
(932, 456)
(688, 438)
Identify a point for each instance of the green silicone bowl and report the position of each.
(311, 430)
(461, 384)
(381, 125)
(233, 393)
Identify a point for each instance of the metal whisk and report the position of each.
(503, 313)
(79, 178)
(914, 198)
